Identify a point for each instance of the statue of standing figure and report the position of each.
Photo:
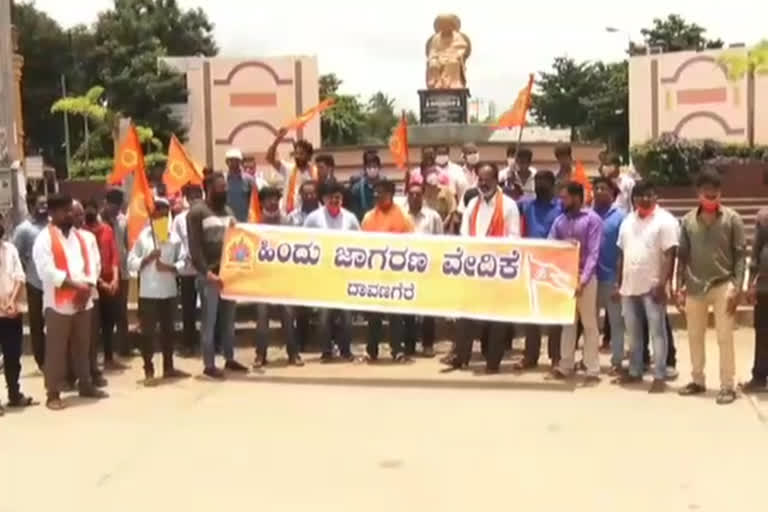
(447, 53)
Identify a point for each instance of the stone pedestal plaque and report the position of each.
(443, 106)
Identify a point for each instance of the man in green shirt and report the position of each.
(711, 273)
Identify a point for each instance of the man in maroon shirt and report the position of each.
(108, 283)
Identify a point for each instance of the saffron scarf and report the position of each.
(65, 296)
(290, 198)
(496, 226)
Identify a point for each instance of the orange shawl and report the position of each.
(290, 198)
(496, 226)
(66, 295)
(393, 220)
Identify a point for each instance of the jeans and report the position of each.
(613, 313)
(635, 308)
(342, 334)
(586, 306)
(262, 329)
(10, 341)
(189, 312)
(36, 323)
(218, 316)
(375, 334)
(411, 326)
(154, 312)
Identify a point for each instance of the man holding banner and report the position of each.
(207, 224)
(490, 214)
(293, 174)
(333, 216)
(386, 217)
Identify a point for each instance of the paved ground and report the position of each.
(350, 437)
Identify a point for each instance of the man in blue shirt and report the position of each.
(538, 215)
(361, 192)
(239, 185)
(607, 265)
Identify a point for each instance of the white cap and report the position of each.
(234, 153)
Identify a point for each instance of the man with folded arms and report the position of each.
(64, 264)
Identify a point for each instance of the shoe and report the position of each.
(99, 381)
(672, 373)
(616, 371)
(524, 365)
(625, 379)
(326, 358)
(54, 402)
(428, 352)
(754, 386)
(234, 366)
(725, 397)
(349, 358)
(591, 380)
(21, 401)
(658, 386)
(401, 358)
(115, 366)
(92, 392)
(295, 361)
(692, 389)
(259, 362)
(69, 386)
(173, 373)
(214, 373)
(559, 374)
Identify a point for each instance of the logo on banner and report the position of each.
(240, 253)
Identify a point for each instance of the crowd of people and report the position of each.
(75, 264)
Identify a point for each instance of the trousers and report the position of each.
(67, 342)
(154, 313)
(468, 330)
(11, 334)
(36, 323)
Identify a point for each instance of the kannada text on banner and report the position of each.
(509, 280)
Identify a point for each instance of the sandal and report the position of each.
(21, 401)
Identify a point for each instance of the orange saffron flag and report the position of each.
(580, 176)
(519, 111)
(140, 207)
(398, 144)
(307, 116)
(254, 211)
(129, 157)
(180, 169)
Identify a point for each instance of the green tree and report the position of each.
(739, 63)
(91, 108)
(380, 119)
(674, 34)
(344, 123)
(608, 107)
(559, 102)
(411, 117)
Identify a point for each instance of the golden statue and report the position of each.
(447, 54)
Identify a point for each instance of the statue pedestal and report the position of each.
(443, 106)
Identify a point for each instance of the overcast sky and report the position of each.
(380, 45)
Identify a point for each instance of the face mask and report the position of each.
(473, 158)
(372, 172)
(42, 213)
(645, 212)
(441, 160)
(334, 210)
(219, 200)
(709, 205)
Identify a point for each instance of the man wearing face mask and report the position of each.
(239, 185)
(309, 203)
(294, 173)
(490, 214)
(333, 216)
(106, 301)
(647, 241)
(538, 216)
(269, 197)
(387, 217)
(24, 238)
(362, 192)
(207, 223)
(454, 172)
(711, 273)
(471, 156)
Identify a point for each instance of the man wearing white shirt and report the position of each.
(187, 273)
(64, 264)
(157, 262)
(490, 214)
(624, 183)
